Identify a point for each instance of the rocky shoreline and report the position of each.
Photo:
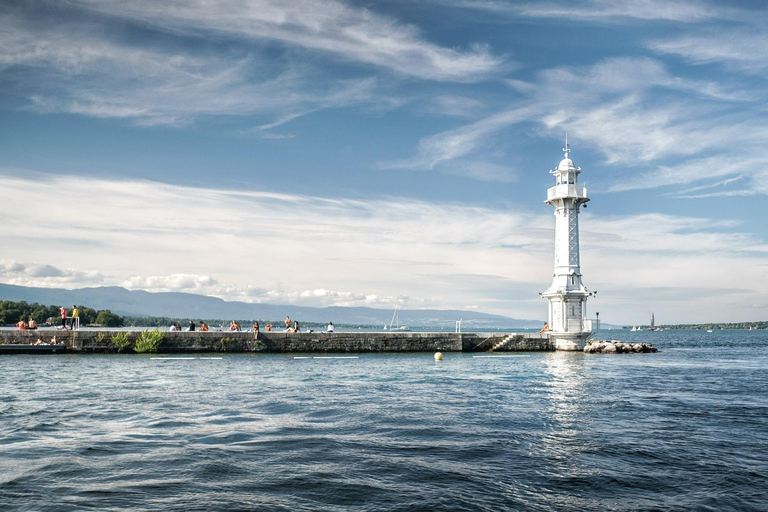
(617, 347)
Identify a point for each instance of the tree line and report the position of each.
(11, 312)
(732, 325)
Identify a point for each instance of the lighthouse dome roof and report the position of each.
(566, 164)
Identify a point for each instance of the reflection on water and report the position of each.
(566, 389)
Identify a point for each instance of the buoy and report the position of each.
(438, 356)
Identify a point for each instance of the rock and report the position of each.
(617, 347)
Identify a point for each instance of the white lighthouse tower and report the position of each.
(567, 295)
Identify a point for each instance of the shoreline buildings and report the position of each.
(567, 295)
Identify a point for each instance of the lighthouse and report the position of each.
(567, 294)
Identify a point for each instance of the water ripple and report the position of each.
(679, 430)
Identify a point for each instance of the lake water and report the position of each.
(683, 429)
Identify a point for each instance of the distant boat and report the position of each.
(394, 324)
(709, 330)
(634, 327)
(653, 323)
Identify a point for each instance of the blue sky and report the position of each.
(360, 153)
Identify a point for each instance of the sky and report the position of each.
(325, 153)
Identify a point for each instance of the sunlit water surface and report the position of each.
(684, 429)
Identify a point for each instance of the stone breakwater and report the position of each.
(103, 341)
(617, 347)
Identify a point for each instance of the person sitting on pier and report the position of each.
(545, 328)
(256, 329)
(54, 341)
(21, 325)
(330, 327)
(173, 328)
(40, 341)
(287, 322)
(268, 327)
(203, 326)
(32, 324)
(234, 326)
(191, 326)
(296, 327)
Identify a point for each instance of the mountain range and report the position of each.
(187, 305)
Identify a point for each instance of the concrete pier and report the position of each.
(100, 341)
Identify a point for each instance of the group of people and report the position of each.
(74, 320)
(41, 341)
(22, 325)
(291, 328)
(234, 326)
(191, 327)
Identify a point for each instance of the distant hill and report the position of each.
(188, 305)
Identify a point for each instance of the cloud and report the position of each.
(259, 246)
(91, 62)
(601, 10)
(297, 249)
(628, 108)
(654, 128)
(172, 283)
(46, 275)
(85, 73)
(740, 49)
(448, 146)
(325, 26)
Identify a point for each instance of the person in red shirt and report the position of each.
(63, 317)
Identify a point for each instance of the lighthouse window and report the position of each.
(572, 280)
(571, 178)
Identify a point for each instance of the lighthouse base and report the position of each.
(569, 341)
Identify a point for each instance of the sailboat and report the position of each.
(394, 324)
(653, 323)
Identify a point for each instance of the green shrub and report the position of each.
(226, 342)
(101, 337)
(148, 341)
(120, 340)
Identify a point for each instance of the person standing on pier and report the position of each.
(75, 318)
(287, 322)
(63, 312)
